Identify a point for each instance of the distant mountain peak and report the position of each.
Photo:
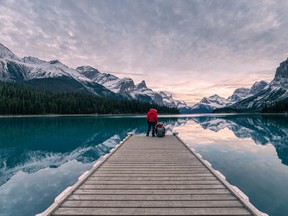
(214, 99)
(86, 68)
(141, 85)
(242, 90)
(164, 94)
(282, 70)
(7, 53)
(32, 60)
(239, 94)
(55, 62)
(126, 83)
(258, 86)
(215, 96)
(88, 71)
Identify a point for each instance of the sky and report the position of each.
(189, 48)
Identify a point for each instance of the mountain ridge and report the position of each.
(275, 91)
(216, 102)
(57, 77)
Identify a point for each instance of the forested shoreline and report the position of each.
(276, 107)
(19, 99)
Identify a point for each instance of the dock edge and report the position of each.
(242, 197)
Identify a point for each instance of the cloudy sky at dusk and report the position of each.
(190, 48)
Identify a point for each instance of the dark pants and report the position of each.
(151, 124)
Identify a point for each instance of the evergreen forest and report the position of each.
(276, 107)
(19, 99)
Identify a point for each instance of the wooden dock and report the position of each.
(152, 176)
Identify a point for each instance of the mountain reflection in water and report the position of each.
(263, 129)
(31, 144)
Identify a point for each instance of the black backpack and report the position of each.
(160, 130)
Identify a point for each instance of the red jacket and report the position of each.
(152, 116)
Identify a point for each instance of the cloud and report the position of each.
(189, 45)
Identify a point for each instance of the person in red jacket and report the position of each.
(152, 118)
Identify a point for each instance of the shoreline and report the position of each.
(142, 114)
(62, 115)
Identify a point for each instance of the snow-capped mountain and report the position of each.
(52, 76)
(128, 89)
(242, 93)
(239, 94)
(207, 105)
(169, 101)
(258, 87)
(6, 53)
(276, 90)
(57, 77)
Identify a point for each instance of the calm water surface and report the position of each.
(41, 156)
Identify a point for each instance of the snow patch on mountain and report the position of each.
(43, 69)
(6, 53)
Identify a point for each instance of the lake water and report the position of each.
(41, 156)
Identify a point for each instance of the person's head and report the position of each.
(152, 109)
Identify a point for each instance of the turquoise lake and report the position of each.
(41, 156)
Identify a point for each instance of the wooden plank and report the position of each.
(203, 182)
(151, 204)
(161, 154)
(150, 187)
(151, 197)
(148, 192)
(200, 174)
(153, 157)
(152, 211)
(135, 166)
(168, 163)
(201, 170)
(154, 170)
(155, 154)
(148, 161)
(150, 169)
(157, 178)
